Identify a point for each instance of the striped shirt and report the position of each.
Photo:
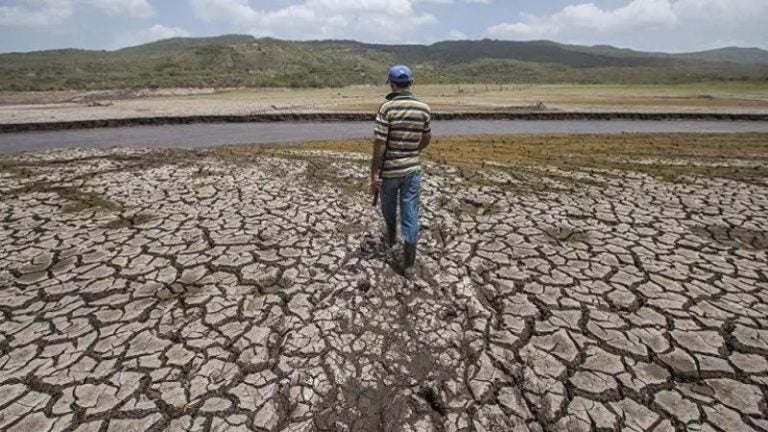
(402, 121)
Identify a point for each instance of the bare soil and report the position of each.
(30, 107)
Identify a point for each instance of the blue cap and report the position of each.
(400, 75)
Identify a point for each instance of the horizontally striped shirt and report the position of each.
(402, 121)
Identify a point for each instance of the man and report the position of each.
(402, 131)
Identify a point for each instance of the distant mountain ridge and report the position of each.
(731, 54)
(242, 60)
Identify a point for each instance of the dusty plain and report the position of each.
(721, 97)
(565, 284)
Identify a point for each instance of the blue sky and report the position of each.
(656, 25)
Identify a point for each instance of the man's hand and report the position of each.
(375, 184)
(379, 148)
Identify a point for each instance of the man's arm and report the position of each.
(426, 138)
(381, 136)
(377, 162)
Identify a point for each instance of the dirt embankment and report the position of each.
(306, 117)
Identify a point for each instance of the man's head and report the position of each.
(400, 77)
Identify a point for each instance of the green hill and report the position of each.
(237, 60)
(732, 54)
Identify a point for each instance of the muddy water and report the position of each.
(211, 135)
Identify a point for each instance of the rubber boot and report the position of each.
(391, 235)
(409, 260)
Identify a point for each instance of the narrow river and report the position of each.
(218, 134)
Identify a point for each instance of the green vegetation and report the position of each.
(80, 200)
(244, 61)
(667, 156)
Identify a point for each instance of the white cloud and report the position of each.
(36, 13)
(638, 14)
(646, 15)
(487, 2)
(381, 20)
(132, 8)
(456, 35)
(524, 30)
(44, 13)
(723, 10)
(151, 34)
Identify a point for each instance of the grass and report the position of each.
(80, 200)
(644, 153)
(15, 171)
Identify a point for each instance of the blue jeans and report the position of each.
(408, 189)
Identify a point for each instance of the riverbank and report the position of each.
(741, 157)
(65, 107)
(367, 117)
(265, 133)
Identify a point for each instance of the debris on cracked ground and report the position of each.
(364, 285)
(175, 290)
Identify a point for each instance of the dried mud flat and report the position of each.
(114, 105)
(234, 291)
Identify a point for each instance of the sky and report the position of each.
(650, 25)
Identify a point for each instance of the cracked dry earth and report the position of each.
(189, 291)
